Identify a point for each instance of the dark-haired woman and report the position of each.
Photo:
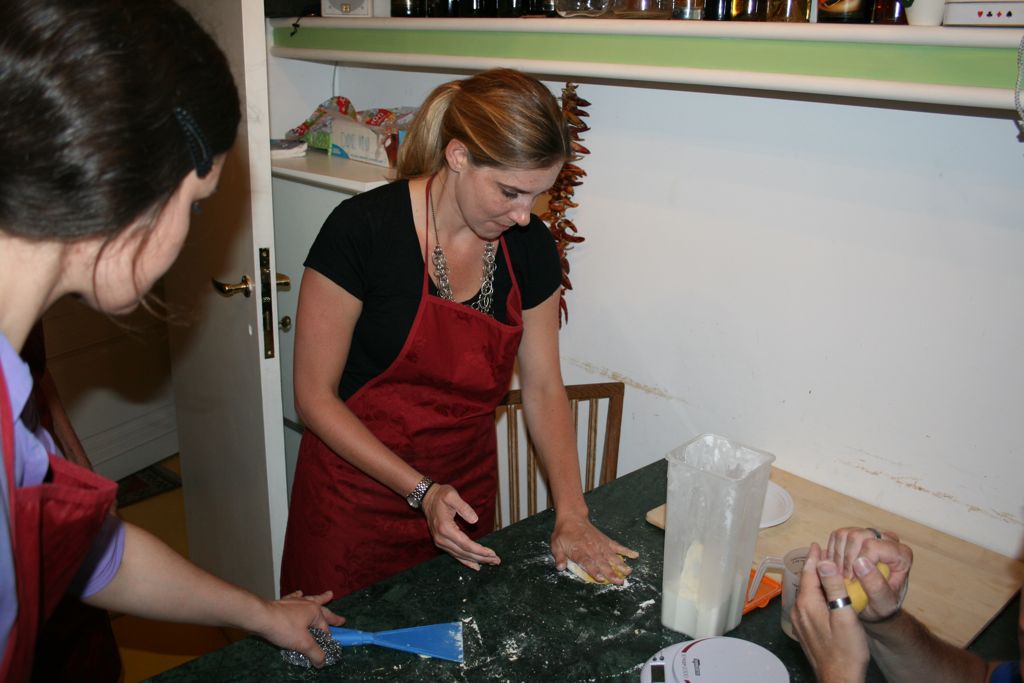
(115, 115)
(417, 301)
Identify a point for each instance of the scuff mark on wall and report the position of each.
(619, 377)
(914, 484)
(854, 449)
(952, 467)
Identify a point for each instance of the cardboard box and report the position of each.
(353, 140)
(984, 13)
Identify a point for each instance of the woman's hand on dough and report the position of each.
(578, 540)
(441, 505)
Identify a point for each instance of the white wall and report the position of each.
(836, 284)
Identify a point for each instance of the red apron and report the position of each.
(433, 407)
(53, 525)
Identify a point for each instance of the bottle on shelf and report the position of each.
(442, 8)
(789, 11)
(844, 11)
(749, 10)
(888, 12)
(717, 10)
(478, 9)
(509, 8)
(408, 8)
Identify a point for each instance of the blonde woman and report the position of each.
(417, 301)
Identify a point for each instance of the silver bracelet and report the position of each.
(415, 498)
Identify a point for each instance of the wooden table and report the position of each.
(956, 587)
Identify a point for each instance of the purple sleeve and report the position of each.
(103, 560)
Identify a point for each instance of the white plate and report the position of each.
(778, 506)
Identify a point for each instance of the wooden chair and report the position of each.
(590, 395)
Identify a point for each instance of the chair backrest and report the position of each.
(589, 396)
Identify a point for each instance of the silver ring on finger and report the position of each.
(840, 603)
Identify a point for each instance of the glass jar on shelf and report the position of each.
(642, 9)
(581, 8)
(540, 8)
(688, 9)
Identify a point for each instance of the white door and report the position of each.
(227, 391)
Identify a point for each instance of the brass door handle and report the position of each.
(285, 323)
(245, 287)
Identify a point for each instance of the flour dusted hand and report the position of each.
(599, 556)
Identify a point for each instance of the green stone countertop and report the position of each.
(525, 622)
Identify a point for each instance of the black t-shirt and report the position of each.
(369, 247)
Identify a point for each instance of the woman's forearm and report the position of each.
(548, 418)
(346, 435)
(155, 582)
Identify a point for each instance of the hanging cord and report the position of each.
(1016, 90)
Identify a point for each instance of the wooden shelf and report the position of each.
(968, 67)
(334, 173)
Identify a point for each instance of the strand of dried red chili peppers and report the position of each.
(560, 198)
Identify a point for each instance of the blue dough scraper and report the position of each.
(443, 641)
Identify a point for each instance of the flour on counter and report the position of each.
(512, 647)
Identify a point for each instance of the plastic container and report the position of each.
(715, 496)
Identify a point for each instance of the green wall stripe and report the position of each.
(930, 64)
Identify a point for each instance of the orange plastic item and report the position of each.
(768, 589)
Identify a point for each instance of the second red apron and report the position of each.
(53, 525)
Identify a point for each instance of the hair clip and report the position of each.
(198, 148)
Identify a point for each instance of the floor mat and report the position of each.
(152, 481)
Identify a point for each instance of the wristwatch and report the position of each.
(415, 499)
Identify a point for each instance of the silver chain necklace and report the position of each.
(444, 287)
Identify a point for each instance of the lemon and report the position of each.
(858, 598)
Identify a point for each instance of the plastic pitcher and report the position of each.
(716, 492)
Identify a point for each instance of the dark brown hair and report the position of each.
(91, 100)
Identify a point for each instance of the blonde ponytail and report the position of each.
(504, 117)
(422, 151)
